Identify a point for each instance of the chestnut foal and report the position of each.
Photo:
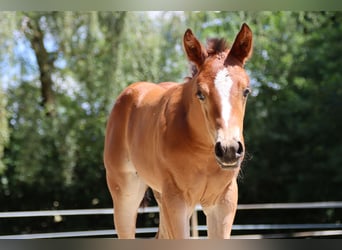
(184, 141)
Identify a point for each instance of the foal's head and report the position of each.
(220, 89)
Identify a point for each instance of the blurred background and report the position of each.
(60, 73)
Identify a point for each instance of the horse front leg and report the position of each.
(174, 217)
(220, 216)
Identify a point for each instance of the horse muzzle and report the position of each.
(229, 155)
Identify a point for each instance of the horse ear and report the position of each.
(195, 52)
(242, 46)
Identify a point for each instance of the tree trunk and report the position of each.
(45, 63)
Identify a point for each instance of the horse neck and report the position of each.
(196, 123)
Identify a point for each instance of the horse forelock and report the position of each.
(214, 47)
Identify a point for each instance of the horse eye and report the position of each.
(246, 92)
(200, 95)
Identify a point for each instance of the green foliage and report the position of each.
(4, 131)
(151, 51)
(292, 124)
(62, 154)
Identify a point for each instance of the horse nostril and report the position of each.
(239, 150)
(219, 152)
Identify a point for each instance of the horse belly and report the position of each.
(122, 123)
(142, 151)
(143, 141)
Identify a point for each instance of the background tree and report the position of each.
(3, 128)
(45, 59)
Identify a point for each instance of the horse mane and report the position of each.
(215, 46)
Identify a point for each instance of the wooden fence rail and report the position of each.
(316, 230)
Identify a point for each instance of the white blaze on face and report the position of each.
(223, 84)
